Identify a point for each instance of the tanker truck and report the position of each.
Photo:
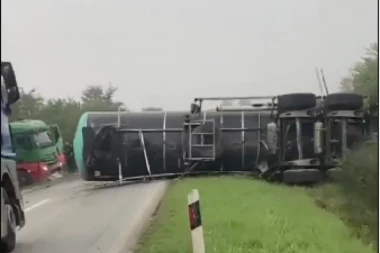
(294, 138)
(12, 205)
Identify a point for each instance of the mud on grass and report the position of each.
(245, 215)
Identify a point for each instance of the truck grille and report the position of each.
(50, 159)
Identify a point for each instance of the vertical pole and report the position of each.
(196, 227)
(144, 151)
(120, 173)
(299, 138)
(221, 126)
(118, 127)
(118, 116)
(204, 123)
(328, 124)
(258, 138)
(242, 140)
(190, 142)
(344, 138)
(164, 142)
(213, 139)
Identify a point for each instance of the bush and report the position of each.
(355, 194)
(359, 179)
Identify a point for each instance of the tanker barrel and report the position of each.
(232, 98)
(166, 139)
(237, 129)
(243, 108)
(157, 130)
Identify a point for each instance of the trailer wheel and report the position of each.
(343, 101)
(8, 243)
(24, 178)
(296, 101)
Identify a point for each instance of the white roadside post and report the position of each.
(119, 109)
(196, 222)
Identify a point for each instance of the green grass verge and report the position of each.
(244, 215)
(362, 221)
(354, 196)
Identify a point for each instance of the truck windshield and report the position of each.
(42, 139)
(22, 142)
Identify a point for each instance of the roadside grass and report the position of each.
(245, 215)
(362, 221)
(354, 196)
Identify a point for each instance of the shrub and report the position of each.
(355, 194)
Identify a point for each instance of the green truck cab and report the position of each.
(39, 150)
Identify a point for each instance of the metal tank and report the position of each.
(158, 143)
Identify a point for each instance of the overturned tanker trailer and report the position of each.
(282, 137)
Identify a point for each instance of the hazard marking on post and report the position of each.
(195, 219)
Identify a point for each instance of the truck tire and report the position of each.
(343, 101)
(296, 101)
(8, 243)
(24, 178)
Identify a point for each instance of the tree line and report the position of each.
(64, 112)
(355, 197)
(363, 76)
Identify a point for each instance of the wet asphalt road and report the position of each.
(87, 217)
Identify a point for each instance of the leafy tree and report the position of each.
(96, 93)
(28, 106)
(94, 98)
(356, 198)
(67, 111)
(56, 111)
(363, 77)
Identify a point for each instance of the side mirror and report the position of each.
(54, 131)
(10, 82)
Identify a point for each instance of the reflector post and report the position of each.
(195, 219)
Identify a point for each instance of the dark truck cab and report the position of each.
(12, 205)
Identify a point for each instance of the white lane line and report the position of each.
(37, 205)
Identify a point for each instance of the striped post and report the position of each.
(196, 222)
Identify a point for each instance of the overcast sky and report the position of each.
(166, 52)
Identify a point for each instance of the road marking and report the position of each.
(37, 205)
